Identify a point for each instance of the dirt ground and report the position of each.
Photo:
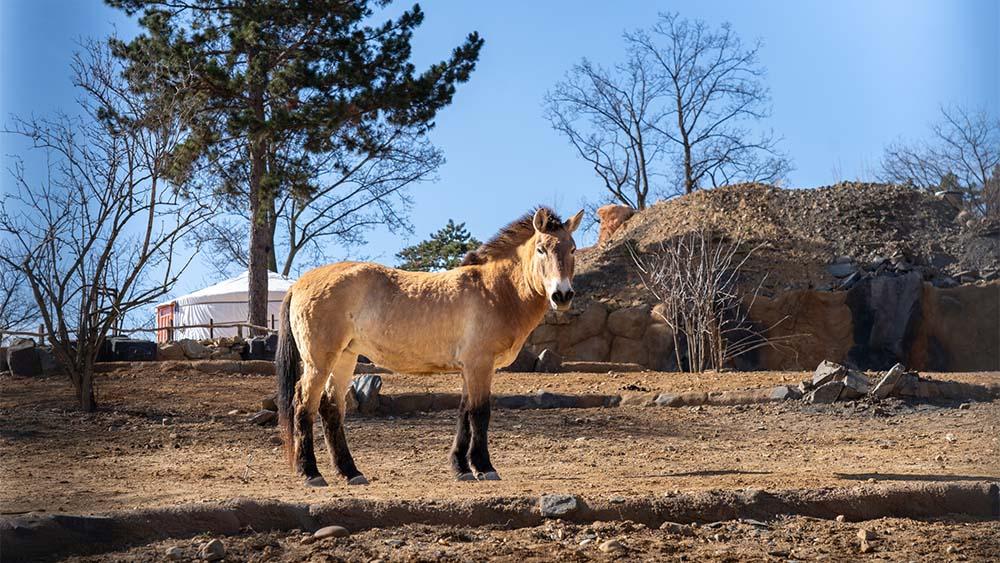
(783, 539)
(167, 438)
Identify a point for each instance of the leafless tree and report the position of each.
(355, 193)
(713, 89)
(95, 234)
(608, 117)
(962, 153)
(697, 280)
(17, 309)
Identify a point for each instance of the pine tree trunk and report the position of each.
(261, 237)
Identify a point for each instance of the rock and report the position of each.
(677, 529)
(965, 406)
(658, 314)
(659, 342)
(226, 355)
(170, 351)
(628, 350)
(523, 363)
(588, 324)
(611, 546)
(366, 389)
(593, 349)
(194, 350)
(47, 359)
(629, 322)
(887, 384)
(544, 333)
(350, 401)
(841, 269)
(840, 518)
(331, 532)
(826, 372)
(269, 403)
(612, 217)
(785, 393)
(175, 553)
(856, 385)
(214, 550)
(548, 362)
(865, 534)
(826, 393)
(264, 418)
(557, 506)
(865, 547)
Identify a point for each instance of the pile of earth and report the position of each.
(825, 238)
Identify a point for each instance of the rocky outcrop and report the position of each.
(612, 217)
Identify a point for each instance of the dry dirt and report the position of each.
(780, 540)
(166, 438)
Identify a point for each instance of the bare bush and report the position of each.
(696, 279)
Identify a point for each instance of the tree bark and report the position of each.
(261, 235)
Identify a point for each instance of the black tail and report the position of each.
(286, 367)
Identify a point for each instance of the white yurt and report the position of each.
(224, 302)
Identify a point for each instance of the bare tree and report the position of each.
(95, 234)
(607, 115)
(17, 307)
(713, 89)
(962, 153)
(696, 278)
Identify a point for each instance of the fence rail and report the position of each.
(42, 335)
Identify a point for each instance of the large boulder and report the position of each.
(524, 362)
(170, 351)
(629, 322)
(132, 350)
(628, 350)
(548, 362)
(593, 349)
(23, 360)
(612, 217)
(826, 372)
(659, 343)
(588, 324)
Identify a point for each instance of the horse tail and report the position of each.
(286, 367)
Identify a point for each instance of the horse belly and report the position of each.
(428, 346)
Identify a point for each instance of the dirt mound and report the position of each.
(807, 238)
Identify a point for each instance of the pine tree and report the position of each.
(443, 251)
(286, 88)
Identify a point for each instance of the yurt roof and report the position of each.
(235, 290)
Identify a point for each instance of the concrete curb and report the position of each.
(52, 535)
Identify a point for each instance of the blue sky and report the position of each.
(846, 77)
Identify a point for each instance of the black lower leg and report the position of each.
(479, 453)
(305, 457)
(336, 440)
(460, 449)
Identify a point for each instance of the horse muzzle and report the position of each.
(561, 299)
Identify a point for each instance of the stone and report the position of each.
(865, 547)
(840, 518)
(856, 385)
(23, 360)
(612, 217)
(965, 406)
(677, 529)
(269, 403)
(593, 349)
(865, 534)
(887, 384)
(827, 393)
(544, 333)
(659, 343)
(174, 553)
(611, 546)
(841, 269)
(827, 371)
(587, 324)
(331, 532)
(264, 418)
(194, 350)
(629, 322)
(214, 550)
(785, 393)
(658, 314)
(366, 389)
(557, 506)
(47, 359)
(523, 363)
(225, 354)
(170, 351)
(627, 350)
(548, 362)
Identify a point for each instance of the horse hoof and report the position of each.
(488, 476)
(466, 477)
(316, 482)
(357, 480)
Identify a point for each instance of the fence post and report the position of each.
(239, 331)
(170, 330)
(272, 321)
(211, 328)
(41, 335)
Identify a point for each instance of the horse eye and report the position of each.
(540, 249)
(572, 250)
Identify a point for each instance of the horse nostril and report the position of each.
(569, 295)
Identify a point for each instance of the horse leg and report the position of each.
(479, 382)
(460, 448)
(332, 408)
(308, 393)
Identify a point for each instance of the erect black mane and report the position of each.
(512, 236)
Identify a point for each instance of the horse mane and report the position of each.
(516, 233)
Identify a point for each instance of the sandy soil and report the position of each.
(785, 539)
(166, 438)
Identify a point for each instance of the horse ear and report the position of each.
(573, 222)
(541, 219)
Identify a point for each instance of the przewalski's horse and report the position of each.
(472, 319)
